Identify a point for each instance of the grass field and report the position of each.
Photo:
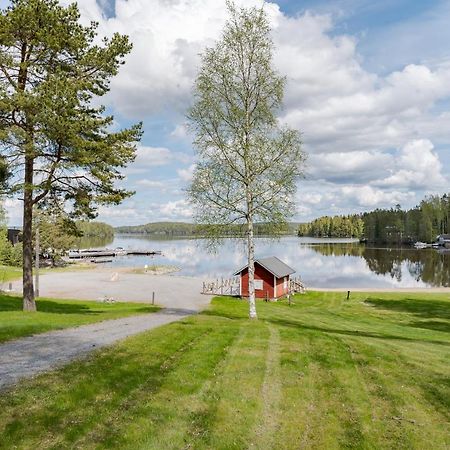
(8, 273)
(326, 373)
(56, 314)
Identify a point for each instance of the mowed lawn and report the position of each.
(368, 373)
(55, 314)
(8, 273)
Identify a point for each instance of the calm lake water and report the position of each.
(327, 263)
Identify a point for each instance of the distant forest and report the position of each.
(95, 229)
(180, 229)
(422, 223)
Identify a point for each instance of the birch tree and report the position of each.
(248, 164)
(58, 146)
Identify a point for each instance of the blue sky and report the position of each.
(368, 86)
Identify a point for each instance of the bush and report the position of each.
(10, 255)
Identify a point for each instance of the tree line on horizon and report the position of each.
(424, 223)
(167, 229)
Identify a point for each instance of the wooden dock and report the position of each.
(107, 253)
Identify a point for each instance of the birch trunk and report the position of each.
(251, 271)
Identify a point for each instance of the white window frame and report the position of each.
(259, 285)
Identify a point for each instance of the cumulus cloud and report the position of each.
(148, 157)
(151, 184)
(180, 132)
(357, 166)
(13, 208)
(367, 196)
(175, 210)
(186, 174)
(418, 166)
(338, 105)
(167, 36)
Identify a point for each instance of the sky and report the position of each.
(368, 86)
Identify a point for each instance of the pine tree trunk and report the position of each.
(28, 291)
(251, 270)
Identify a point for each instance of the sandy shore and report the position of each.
(121, 284)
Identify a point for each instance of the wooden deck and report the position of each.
(82, 254)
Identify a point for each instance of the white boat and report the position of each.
(421, 245)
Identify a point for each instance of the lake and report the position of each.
(325, 263)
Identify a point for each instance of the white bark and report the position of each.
(251, 271)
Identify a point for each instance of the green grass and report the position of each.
(326, 373)
(56, 314)
(8, 273)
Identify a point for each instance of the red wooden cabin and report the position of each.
(271, 278)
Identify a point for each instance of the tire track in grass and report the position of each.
(422, 415)
(374, 364)
(317, 409)
(68, 403)
(265, 431)
(160, 419)
(235, 396)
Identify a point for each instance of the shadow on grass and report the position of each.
(10, 303)
(301, 326)
(427, 309)
(434, 325)
(358, 333)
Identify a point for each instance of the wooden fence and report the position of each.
(297, 285)
(231, 286)
(223, 286)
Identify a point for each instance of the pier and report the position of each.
(83, 254)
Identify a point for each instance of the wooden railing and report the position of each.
(297, 285)
(227, 286)
(231, 286)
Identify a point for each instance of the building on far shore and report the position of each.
(271, 278)
(444, 240)
(14, 235)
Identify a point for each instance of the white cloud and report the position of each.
(186, 174)
(180, 132)
(342, 167)
(179, 209)
(151, 184)
(367, 196)
(13, 208)
(167, 37)
(311, 198)
(417, 167)
(148, 157)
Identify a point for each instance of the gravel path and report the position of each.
(29, 356)
(32, 355)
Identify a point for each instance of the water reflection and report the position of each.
(427, 265)
(320, 262)
(94, 242)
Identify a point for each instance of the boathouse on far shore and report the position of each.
(271, 278)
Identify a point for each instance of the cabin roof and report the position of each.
(444, 236)
(274, 265)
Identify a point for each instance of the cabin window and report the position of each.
(258, 285)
